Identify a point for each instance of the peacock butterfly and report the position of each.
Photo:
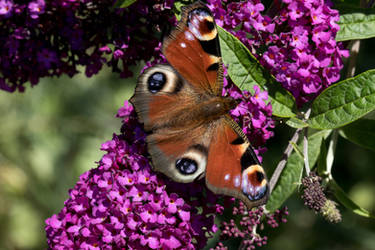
(190, 133)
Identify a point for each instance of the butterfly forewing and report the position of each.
(193, 49)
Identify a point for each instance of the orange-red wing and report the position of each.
(193, 49)
(232, 167)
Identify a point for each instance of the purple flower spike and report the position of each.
(123, 204)
(6, 7)
(42, 38)
(36, 8)
(302, 54)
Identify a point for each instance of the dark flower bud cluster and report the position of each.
(315, 199)
(250, 221)
(50, 38)
(313, 195)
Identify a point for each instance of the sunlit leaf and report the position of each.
(357, 25)
(287, 183)
(344, 102)
(296, 123)
(246, 72)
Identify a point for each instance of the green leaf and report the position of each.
(290, 178)
(246, 72)
(361, 132)
(322, 160)
(314, 145)
(287, 183)
(370, 116)
(296, 123)
(344, 199)
(124, 3)
(356, 25)
(344, 102)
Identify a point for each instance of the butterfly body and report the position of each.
(190, 132)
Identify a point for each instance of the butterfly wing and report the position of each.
(179, 153)
(193, 49)
(232, 166)
(161, 93)
(177, 141)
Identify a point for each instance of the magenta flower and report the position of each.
(63, 36)
(302, 54)
(36, 8)
(47, 58)
(123, 204)
(6, 7)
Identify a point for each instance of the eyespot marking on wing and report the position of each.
(194, 159)
(186, 166)
(161, 78)
(189, 36)
(254, 183)
(156, 82)
(201, 24)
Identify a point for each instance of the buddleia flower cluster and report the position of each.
(124, 204)
(52, 38)
(297, 43)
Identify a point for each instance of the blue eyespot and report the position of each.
(186, 166)
(156, 82)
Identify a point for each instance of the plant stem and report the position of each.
(280, 167)
(354, 50)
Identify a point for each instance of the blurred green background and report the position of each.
(52, 133)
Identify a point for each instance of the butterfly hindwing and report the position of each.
(180, 154)
(232, 166)
(165, 103)
(193, 49)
